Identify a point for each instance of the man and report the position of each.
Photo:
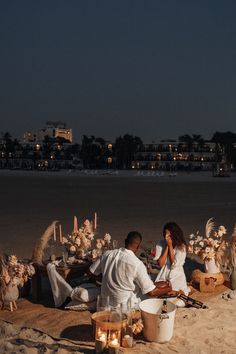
(123, 274)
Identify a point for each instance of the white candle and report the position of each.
(102, 337)
(95, 221)
(60, 230)
(114, 346)
(127, 341)
(100, 343)
(54, 232)
(75, 225)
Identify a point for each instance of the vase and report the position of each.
(233, 279)
(211, 267)
(10, 296)
(12, 293)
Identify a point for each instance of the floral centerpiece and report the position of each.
(233, 249)
(82, 242)
(16, 272)
(232, 260)
(210, 248)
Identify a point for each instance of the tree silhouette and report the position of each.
(91, 152)
(225, 145)
(125, 149)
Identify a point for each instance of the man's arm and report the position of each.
(95, 269)
(160, 289)
(93, 277)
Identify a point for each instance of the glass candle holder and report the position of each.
(115, 327)
(127, 332)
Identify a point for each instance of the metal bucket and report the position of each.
(158, 327)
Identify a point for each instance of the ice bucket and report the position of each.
(158, 327)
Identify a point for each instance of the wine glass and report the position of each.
(115, 244)
(65, 257)
(103, 303)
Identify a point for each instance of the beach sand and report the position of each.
(30, 201)
(196, 331)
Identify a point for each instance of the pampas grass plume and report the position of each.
(210, 226)
(42, 243)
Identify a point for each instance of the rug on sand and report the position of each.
(72, 325)
(59, 324)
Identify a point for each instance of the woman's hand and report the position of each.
(169, 245)
(168, 238)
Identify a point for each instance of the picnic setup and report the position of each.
(60, 292)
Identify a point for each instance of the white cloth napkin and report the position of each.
(60, 288)
(83, 297)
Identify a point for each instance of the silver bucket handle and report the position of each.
(163, 316)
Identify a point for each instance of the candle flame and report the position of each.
(114, 341)
(102, 337)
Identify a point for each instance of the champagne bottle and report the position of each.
(164, 307)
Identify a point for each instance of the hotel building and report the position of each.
(172, 155)
(52, 130)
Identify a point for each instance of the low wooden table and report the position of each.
(67, 272)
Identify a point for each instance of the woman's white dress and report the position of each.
(173, 272)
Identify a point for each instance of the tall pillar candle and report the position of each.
(100, 344)
(75, 225)
(60, 233)
(54, 232)
(95, 221)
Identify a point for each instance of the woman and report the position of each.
(170, 256)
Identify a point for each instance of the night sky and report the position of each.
(154, 68)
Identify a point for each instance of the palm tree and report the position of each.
(91, 151)
(195, 138)
(8, 146)
(188, 140)
(125, 149)
(225, 145)
(47, 148)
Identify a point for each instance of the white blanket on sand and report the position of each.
(83, 297)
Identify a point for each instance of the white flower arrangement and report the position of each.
(233, 250)
(82, 243)
(16, 272)
(137, 326)
(210, 247)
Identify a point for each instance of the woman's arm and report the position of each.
(162, 260)
(168, 251)
(170, 248)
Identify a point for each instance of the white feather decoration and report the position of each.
(210, 226)
(42, 243)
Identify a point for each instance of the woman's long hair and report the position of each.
(177, 234)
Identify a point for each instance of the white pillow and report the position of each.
(85, 293)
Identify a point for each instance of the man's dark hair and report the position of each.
(131, 237)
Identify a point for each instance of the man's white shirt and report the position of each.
(123, 275)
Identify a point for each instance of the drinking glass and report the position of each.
(115, 244)
(65, 257)
(103, 303)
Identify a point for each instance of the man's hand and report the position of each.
(162, 288)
